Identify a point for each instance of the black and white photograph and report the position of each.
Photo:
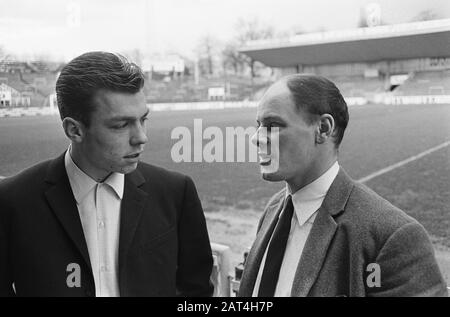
(240, 149)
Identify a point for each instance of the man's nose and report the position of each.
(260, 138)
(139, 135)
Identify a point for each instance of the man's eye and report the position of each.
(272, 125)
(144, 119)
(121, 126)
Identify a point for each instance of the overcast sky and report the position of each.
(66, 28)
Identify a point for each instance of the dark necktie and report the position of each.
(275, 253)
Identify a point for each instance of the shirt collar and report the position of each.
(82, 183)
(311, 193)
(116, 181)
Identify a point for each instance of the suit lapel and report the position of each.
(258, 249)
(133, 203)
(321, 235)
(314, 252)
(63, 205)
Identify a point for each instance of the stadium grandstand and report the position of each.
(391, 64)
(171, 80)
(186, 89)
(27, 87)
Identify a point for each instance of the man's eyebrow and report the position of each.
(128, 118)
(272, 118)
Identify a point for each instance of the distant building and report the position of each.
(24, 67)
(164, 67)
(10, 97)
(13, 67)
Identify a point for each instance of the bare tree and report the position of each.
(252, 30)
(206, 50)
(231, 58)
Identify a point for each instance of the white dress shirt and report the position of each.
(99, 208)
(307, 201)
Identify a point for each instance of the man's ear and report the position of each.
(73, 129)
(325, 128)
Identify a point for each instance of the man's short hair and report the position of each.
(89, 73)
(317, 95)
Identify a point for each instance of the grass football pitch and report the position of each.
(233, 194)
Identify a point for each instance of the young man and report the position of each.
(325, 234)
(95, 221)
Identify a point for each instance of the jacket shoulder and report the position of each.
(374, 209)
(370, 220)
(25, 180)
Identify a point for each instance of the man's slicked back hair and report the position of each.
(89, 73)
(316, 96)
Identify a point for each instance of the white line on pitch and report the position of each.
(404, 162)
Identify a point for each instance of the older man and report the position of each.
(325, 234)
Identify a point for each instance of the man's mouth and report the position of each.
(264, 160)
(131, 156)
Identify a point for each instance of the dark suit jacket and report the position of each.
(353, 228)
(164, 249)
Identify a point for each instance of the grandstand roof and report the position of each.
(387, 42)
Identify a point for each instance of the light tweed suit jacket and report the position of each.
(353, 228)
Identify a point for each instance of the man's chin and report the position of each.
(270, 172)
(128, 168)
(272, 177)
